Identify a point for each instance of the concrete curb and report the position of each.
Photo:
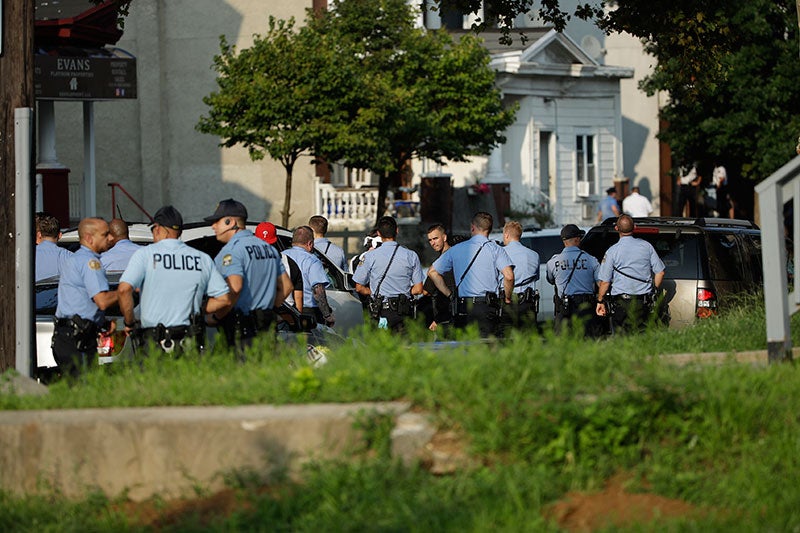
(173, 451)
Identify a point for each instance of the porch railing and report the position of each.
(352, 205)
(783, 186)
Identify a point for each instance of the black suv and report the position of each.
(707, 260)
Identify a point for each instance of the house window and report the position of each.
(585, 173)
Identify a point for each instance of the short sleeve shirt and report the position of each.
(606, 207)
(173, 278)
(116, 258)
(259, 265)
(334, 253)
(484, 274)
(50, 259)
(526, 265)
(573, 272)
(313, 273)
(403, 272)
(629, 266)
(81, 280)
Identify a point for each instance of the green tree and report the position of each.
(278, 98)
(422, 95)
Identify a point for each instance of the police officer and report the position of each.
(173, 279)
(634, 272)
(255, 275)
(319, 224)
(50, 257)
(525, 303)
(391, 275)
(477, 264)
(315, 280)
(83, 296)
(116, 258)
(574, 274)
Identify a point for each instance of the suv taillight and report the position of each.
(706, 303)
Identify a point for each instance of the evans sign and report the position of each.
(84, 78)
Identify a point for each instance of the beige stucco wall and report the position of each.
(150, 146)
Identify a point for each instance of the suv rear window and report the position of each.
(678, 250)
(546, 247)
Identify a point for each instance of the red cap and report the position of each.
(266, 232)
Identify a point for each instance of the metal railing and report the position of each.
(115, 208)
(783, 186)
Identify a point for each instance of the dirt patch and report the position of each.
(614, 506)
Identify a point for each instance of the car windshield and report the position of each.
(678, 250)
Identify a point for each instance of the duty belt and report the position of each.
(629, 296)
(473, 300)
(388, 303)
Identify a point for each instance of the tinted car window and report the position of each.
(724, 257)
(546, 247)
(679, 251)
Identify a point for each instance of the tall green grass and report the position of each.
(542, 415)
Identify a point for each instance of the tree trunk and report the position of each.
(16, 90)
(287, 195)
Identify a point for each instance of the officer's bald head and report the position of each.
(482, 222)
(118, 229)
(625, 224)
(94, 234)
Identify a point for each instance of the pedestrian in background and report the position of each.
(636, 205)
(608, 206)
(319, 224)
(633, 271)
(315, 280)
(256, 278)
(173, 280)
(391, 276)
(524, 306)
(574, 273)
(50, 257)
(477, 265)
(116, 258)
(83, 297)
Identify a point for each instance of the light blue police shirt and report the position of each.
(258, 263)
(173, 278)
(526, 265)
(313, 273)
(50, 259)
(560, 268)
(632, 258)
(83, 277)
(403, 273)
(606, 205)
(116, 259)
(485, 271)
(334, 253)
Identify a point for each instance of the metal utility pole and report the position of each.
(16, 92)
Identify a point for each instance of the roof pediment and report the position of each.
(555, 54)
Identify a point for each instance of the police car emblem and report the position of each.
(227, 260)
(94, 264)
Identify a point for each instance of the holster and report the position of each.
(375, 306)
(85, 334)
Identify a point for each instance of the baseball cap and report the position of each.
(266, 232)
(169, 217)
(570, 231)
(610, 190)
(228, 208)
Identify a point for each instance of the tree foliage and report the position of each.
(357, 84)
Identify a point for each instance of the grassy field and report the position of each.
(541, 416)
